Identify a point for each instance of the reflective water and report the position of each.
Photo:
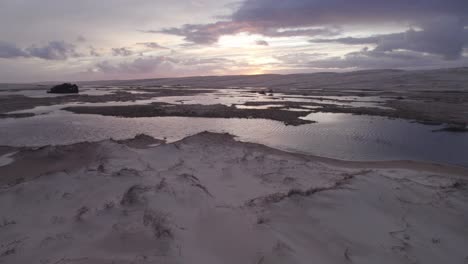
(41, 110)
(259, 106)
(340, 136)
(241, 96)
(42, 93)
(6, 159)
(227, 97)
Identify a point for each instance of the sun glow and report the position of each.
(255, 71)
(241, 40)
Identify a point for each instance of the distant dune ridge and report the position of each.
(448, 79)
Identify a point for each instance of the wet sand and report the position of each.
(10, 103)
(211, 199)
(212, 111)
(436, 96)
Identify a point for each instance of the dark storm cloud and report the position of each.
(355, 41)
(293, 13)
(54, 50)
(8, 51)
(446, 37)
(442, 22)
(371, 59)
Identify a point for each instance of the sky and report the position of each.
(65, 40)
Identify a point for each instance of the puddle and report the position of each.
(341, 136)
(7, 159)
(42, 93)
(296, 109)
(259, 106)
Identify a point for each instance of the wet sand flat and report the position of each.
(434, 96)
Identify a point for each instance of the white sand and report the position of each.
(210, 199)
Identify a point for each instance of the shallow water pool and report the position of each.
(341, 136)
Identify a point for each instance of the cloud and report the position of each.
(203, 61)
(32, 21)
(269, 17)
(355, 41)
(80, 38)
(372, 59)
(54, 50)
(150, 66)
(445, 36)
(8, 51)
(124, 52)
(299, 59)
(137, 66)
(440, 23)
(93, 52)
(298, 13)
(262, 43)
(152, 45)
(204, 34)
(210, 33)
(429, 31)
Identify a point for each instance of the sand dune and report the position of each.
(438, 79)
(211, 199)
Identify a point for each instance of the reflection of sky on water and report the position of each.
(42, 93)
(6, 159)
(335, 135)
(341, 136)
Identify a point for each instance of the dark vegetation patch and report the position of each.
(64, 88)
